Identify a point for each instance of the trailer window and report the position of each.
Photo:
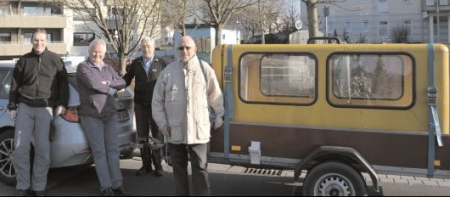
(371, 80)
(278, 78)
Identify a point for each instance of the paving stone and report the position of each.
(401, 181)
(425, 182)
(415, 182)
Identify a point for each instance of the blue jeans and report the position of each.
(102, 136)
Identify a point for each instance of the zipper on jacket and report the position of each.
(37, 77)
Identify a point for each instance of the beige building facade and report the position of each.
(374, 20)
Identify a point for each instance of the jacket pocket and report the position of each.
(203, 131)
(176, 136)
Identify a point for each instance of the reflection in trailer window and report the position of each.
(380, 80)
(278, 78)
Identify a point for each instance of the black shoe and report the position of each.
(108, 192)
(38, 193)
(158, 173)
(144, 170)
(121, 192)
(23, 192)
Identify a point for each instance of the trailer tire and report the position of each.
(334, 179)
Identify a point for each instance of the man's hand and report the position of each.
(165, 131)
(59, 110)
(218, 123)
(106, 83)
(120, 93)
(12, 114)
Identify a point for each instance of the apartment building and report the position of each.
(374, 20)
(18, 21)
(68, 32)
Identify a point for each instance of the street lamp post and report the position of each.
(237, 32)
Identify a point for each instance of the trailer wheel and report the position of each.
(334, 179)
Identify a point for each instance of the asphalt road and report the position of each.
(225, 181)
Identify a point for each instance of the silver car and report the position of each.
(69, 146)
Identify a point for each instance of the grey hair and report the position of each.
(148, 39)
(96, 42)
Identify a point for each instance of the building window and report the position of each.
(83, 39)
(27, 38)
(408, 26)
(365, 26)
(37, 11)
(49, 37)
(348, 26)
(382, 6)
(383, 29)
(5, 37)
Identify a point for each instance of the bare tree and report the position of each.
(288, 20)
(221, 11)
(313, 22)
(177, 13)
(268, 13)
(122, 22)
(311, 9)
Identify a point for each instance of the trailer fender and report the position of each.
(336, 153)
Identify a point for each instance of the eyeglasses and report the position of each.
(184, 47)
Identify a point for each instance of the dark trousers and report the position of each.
(145, 124)
(200, 180)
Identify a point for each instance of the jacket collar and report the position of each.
(43, 52)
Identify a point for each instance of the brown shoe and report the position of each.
(108, 192)
(121, 191)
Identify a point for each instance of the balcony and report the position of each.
(33, 21)
(18, 49)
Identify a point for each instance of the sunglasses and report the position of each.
(184, 47)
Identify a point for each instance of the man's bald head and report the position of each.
(187, 48)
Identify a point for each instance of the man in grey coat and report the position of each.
(182, 96)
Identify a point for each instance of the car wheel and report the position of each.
(334, 179)
(127, 154)
(7, 172)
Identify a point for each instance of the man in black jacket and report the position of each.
(145, 70)
(39, 86)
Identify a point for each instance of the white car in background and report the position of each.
(69, 146)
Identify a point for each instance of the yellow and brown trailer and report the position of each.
(335, 111)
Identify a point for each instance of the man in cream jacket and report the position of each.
(181, 99)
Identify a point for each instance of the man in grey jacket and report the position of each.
(181, 98)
